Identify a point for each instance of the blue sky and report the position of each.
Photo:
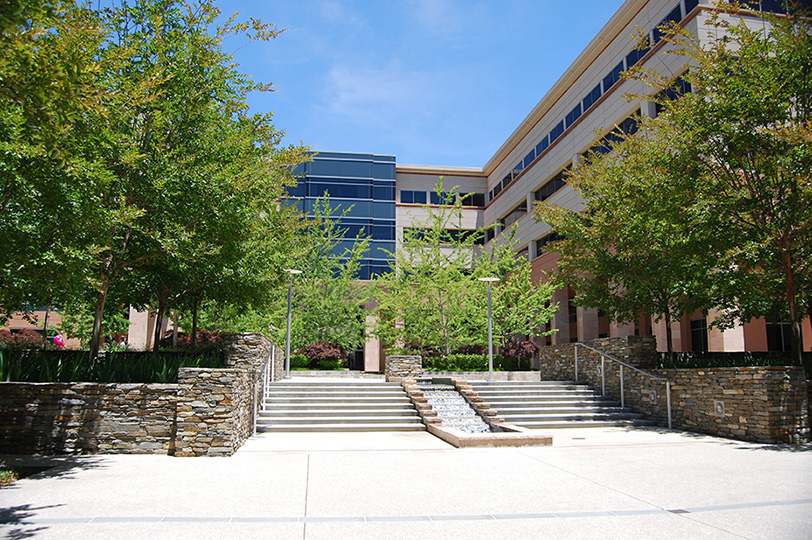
(434, 82)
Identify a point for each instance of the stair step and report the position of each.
(340, 427)
(297, 413)
(553, 424)
(339, 420)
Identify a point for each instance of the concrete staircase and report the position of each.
(552, 404)
(333, 406)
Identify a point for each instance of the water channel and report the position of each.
(452, 407)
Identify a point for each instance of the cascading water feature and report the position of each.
(452, 407)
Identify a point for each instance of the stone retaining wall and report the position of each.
(399, 367)
(70, 418)
(208, 412)
(762, 404)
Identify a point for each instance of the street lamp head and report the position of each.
(491, 279)
(292, 271)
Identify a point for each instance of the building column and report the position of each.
(729, 340)
(587, 323)
(621, 330)
(648, 108)
(658, 329)
(561, 319)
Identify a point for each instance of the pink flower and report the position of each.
(58, 342)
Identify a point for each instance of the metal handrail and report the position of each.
(623, 364)
(264, 378)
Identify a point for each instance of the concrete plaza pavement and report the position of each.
(592, 483)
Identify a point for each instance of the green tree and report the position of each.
(433, 301)
(329, 300)
(48, 71)
(644, 244)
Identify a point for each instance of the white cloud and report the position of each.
(372, 95)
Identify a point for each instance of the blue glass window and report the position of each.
(383, 193)
(553, 185)
(557, 131)
(528, 159)
(412, 197)
(383, 232)
(542, 146)
(674, 16)
(612, 77)
(440, 198)
(635, 55)
(690, 5)
(592, 97)
(573, 115)
(340, 191)
(473, 199)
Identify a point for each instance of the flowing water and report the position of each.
(452, 408)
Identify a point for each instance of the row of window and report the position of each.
(553, 185)
(515, 215)
(582, 106)
(419, 197)
(376, 229)
(542, 242)
(450, 236)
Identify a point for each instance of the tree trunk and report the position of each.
(669, 337)
(45, 326)
(159, 324)
(794, 318)
(174, 329)
(194, 321)
(95, 339)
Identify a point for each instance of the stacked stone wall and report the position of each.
(761, 404)
(60, 418)
(398, 367)
(208, 412)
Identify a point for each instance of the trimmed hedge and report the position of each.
(691, 360)
(474, 362)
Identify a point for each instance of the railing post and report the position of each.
(576, 362)
(668, 401)
(603, 376)
(622, 397)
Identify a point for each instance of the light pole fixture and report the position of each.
(489, 281)
(292, 273)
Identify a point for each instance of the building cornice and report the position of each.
(439, 170)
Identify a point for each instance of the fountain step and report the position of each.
(336, 427)
(347, 399)
(338, 406)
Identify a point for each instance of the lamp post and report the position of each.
(292, 273)
(489, 281)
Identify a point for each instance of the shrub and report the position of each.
(324, 350)
(330, 365)
(299, 361)
(204, 338)
(520, 350)
(24, 338)
(456, 362)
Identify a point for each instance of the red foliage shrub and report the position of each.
(520, 350)
(326, 350)
(24, 338)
